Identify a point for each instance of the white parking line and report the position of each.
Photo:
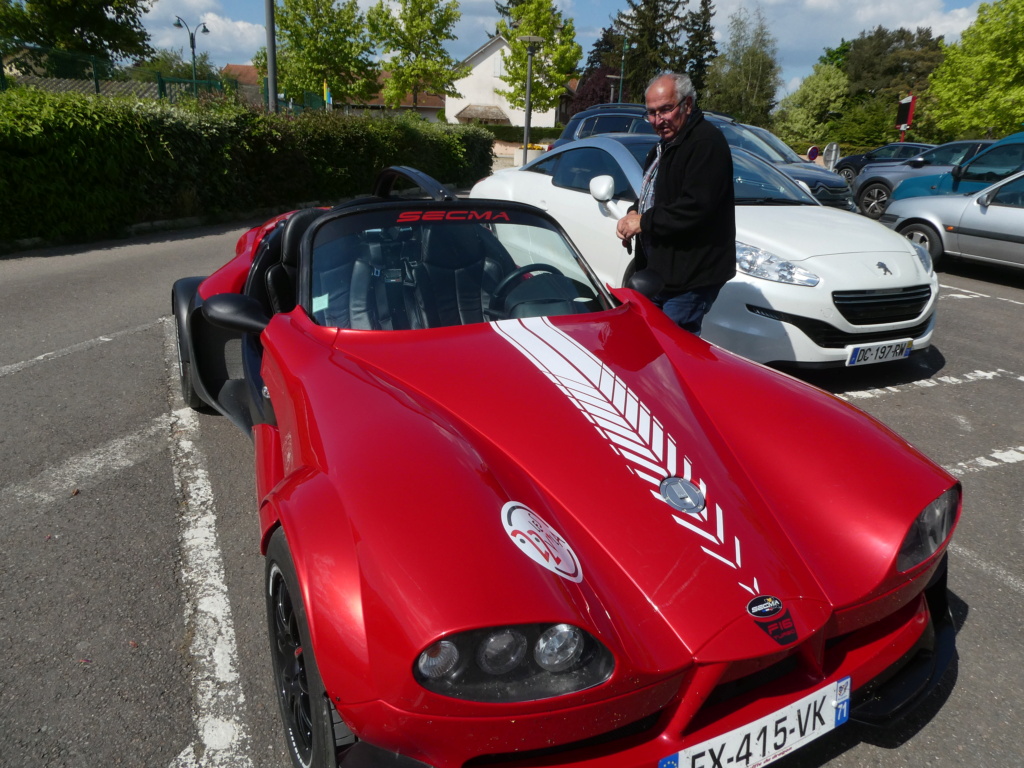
(6, 370)
(936, 381)
(89, 469)
(999, 574)
(997, 458)
(965, 293)
(217, 698)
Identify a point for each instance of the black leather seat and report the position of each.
(281, 279)
(456, 275)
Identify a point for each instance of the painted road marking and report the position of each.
(6, 370)
(217, 698)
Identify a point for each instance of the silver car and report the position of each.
(985, 226)
(876, 181)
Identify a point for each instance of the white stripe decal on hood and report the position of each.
(628, 425)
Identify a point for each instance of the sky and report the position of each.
(802, 28)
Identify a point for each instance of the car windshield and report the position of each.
(743, 138)
(778, 145)
(755, 183)
(439, 265)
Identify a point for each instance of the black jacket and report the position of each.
(688, 236)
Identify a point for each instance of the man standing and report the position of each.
(685, 219)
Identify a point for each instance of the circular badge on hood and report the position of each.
(682, 495)
(538, 540)
(764, 606)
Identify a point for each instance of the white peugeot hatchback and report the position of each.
(815, 286)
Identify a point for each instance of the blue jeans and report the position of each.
(687, 309)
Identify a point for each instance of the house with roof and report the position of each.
(480, 102)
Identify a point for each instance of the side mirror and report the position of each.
(646, 282)
(986, 200)
(235, 312)
(916, 162)
(602, 188)
(956, 171)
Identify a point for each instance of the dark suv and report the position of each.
(828, 188)
(849, 167)
(605, 118)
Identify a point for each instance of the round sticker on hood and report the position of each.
(542, 543)
(764, 606)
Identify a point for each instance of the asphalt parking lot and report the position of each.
(134, 627)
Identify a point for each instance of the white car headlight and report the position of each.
(756, 262)
(923, 255)
(929, 530)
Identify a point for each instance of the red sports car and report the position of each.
(513, 517)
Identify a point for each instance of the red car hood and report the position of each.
(526, 458)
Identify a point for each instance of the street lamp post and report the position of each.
(613, 78)
(532, 41)
(622, 68)
(200, 27)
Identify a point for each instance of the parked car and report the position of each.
(513, 519)
(983, 226)
(604, 118)
(632, 118)
(1001, 159)
(876, 181)
(814, 287)
(848, 167)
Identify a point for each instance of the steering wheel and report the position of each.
(506, 282)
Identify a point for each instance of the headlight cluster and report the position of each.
(929, 530)
(923, 255)
(760, 263)
(526, 662)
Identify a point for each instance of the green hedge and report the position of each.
(76, 167)
(515, 133)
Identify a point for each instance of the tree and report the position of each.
(979, 86)
(891, 62)
(701, 48)
(413, 42)
(743, 80)
(106, 29)
(653, 29)
(554, 61)
(804, 116)
(170, 62)
(324, 41)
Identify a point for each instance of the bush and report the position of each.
(77, 167)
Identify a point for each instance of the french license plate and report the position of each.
(879, 353)
(773, 736)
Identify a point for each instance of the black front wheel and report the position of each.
(847, 173)
(925, 236)
(314, 734)
(873, 199)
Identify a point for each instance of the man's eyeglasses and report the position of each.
(663, 111)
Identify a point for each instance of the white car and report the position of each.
(815, 286)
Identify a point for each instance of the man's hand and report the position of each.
(628, 226)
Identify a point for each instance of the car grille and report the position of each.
(829, 337)
(886, 306)
(837, 197)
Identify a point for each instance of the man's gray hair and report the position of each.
(681, 82)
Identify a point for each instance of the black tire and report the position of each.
(847, 173)
(188, 390)
(872, 199)
(314, 734)
(925, 235)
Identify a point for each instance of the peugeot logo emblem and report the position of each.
(883, 268)
(682, 495)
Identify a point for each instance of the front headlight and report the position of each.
(527, 662)
(756, 262)
(929, 530)
(924, 256)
